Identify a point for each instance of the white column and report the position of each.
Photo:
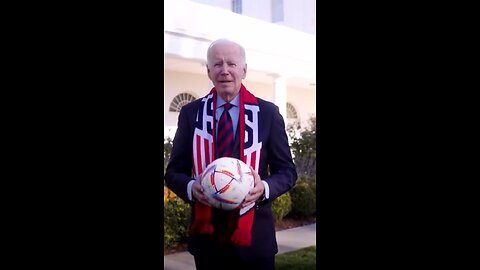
(165, 111)
(280, 95)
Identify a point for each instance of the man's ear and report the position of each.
(244, 71)
(208, 73)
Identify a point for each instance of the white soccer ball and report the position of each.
(226, 182)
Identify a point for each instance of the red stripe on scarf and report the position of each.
(199, 156)
(253, 159)
(207, 152)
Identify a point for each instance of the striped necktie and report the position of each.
(225, 133)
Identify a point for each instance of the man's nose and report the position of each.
(224, 69)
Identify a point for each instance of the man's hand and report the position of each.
(256, 191)
(197, 192)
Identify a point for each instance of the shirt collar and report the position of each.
(235, 101)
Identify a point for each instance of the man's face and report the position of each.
(226, 69)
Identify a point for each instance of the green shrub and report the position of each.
(281, 206)
(176, 221)
(304, 198)
(313, 185)
(304, 148)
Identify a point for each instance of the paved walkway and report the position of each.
(287, 240)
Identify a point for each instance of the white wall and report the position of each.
(190, 27)
(226, 4)
(261, 10)
(298, 14)
(176, 83)
(261, 90)
(303, 100)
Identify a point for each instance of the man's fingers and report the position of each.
(250, 197)
(247, 201)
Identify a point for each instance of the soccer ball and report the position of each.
(226, 181)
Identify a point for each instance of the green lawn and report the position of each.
(301, 259)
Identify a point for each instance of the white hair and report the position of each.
(224, 40)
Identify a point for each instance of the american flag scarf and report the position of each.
(240, 220)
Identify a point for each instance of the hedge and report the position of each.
(176, 221)
(281, 206)
(304, 199)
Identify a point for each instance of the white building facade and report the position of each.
(279, 41)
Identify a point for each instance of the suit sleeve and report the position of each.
(179, 168)
(283, 174)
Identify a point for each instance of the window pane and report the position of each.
(237, 6)
(277, 10)
(180, 100)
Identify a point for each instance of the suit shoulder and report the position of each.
(192, 106)
(266, 105)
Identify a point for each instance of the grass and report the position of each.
(301, 259)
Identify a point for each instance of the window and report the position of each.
(180, 100)
(291, 112)
(277, 11)
(237, 6)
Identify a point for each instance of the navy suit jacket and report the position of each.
(276, 167)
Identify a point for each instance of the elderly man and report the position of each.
(231, 121)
